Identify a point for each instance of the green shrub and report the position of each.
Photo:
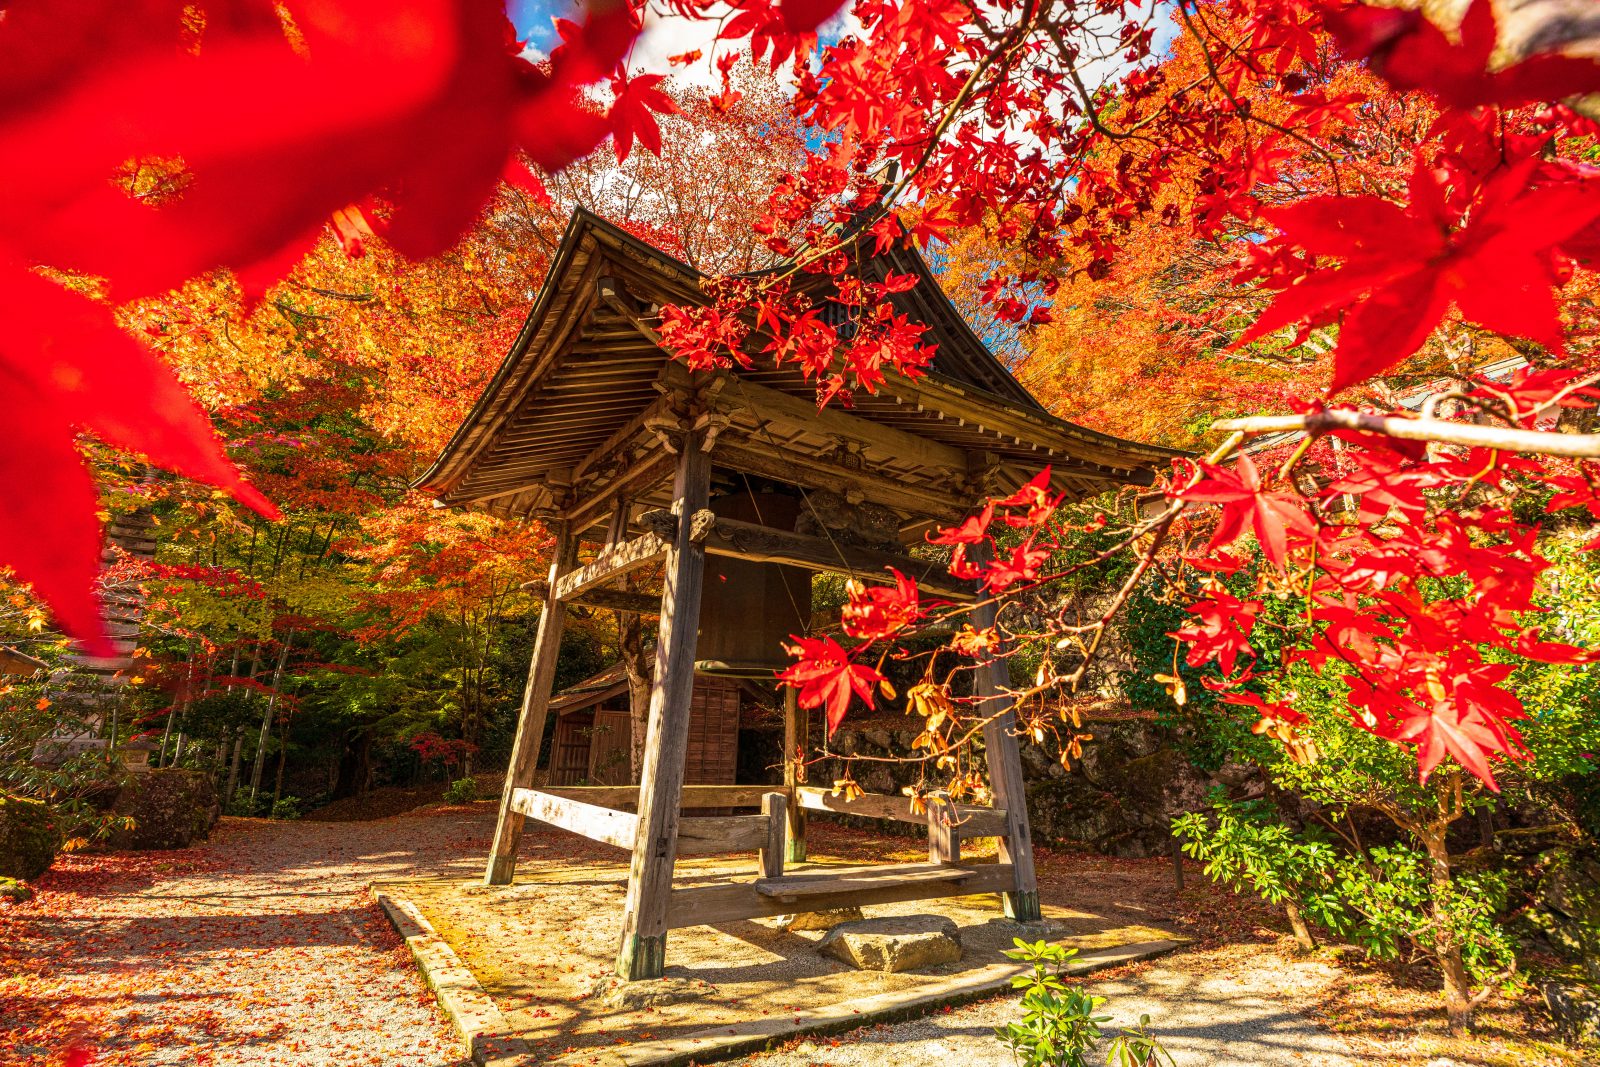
(241, 806)
(287, 808)
(1059, 1027)
(29, 838)
(1380, 898)
(461, 791)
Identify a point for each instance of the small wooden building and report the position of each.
(708, 500)
(593, 732)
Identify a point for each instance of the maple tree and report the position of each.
(1352, 182)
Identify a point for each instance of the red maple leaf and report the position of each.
(67, 365)
(786, 28)
(973, 528)
(1455, 708)
(826, 675)
(1411, 53)
(419, 99)
(1221, 630)
(875, 612)
(1021, 566)
(1404, 267)
(633, 112)
(1245, 503)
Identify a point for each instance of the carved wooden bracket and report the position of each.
(667, 429)
(701, 524)
(662, 523)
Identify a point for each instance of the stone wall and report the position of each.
(168, 808)
(29, 838)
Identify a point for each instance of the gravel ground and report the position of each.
(260, 948)
(1222, 1008)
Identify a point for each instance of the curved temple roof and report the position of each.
(573, 404)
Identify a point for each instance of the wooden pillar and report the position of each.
(1005, 776)
(530, 722)
(944, 840)
(771, 857)
(796, 740)
(655, 849)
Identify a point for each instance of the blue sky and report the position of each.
(532, 20)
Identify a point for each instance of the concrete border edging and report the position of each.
(725, 1042)
(485, 1034)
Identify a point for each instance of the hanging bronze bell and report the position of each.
(748, 610)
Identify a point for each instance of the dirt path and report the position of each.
(262, 949)
(259, 948)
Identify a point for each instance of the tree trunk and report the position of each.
(266, 722)
(1457, 987)
(354, 768)
(233, 770)
(1297, 922)
(630, 641)
(283, 755)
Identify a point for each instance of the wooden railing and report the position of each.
(694, 796)
(972, 820)
(589, 812)
(579, 810)
(597, 823)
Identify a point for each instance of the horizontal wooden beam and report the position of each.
(708, 905)
(611, 563)
(775, 407)
(609, 599)
(644, 475)
(972, 820)
(721, 834)
(587, 820)
(694, 796)
(748, 540)
(752, 455)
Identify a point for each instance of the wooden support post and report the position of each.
(644, 922)
(944, 840)
(530, 723)
(796, 739)
(772, 806)
(1005, 775)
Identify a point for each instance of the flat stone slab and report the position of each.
(619, 995)
(894, 944)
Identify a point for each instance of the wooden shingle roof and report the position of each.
(583, 380)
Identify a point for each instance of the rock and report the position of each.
(618, 995)
(29, 838)
(819, 920)
(1575, 1008)
(170, 808)
(900, 943)
(1567, 908)
(14, 891)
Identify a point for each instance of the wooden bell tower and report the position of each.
(636, 464)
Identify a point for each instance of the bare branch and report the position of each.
(1503, 439)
